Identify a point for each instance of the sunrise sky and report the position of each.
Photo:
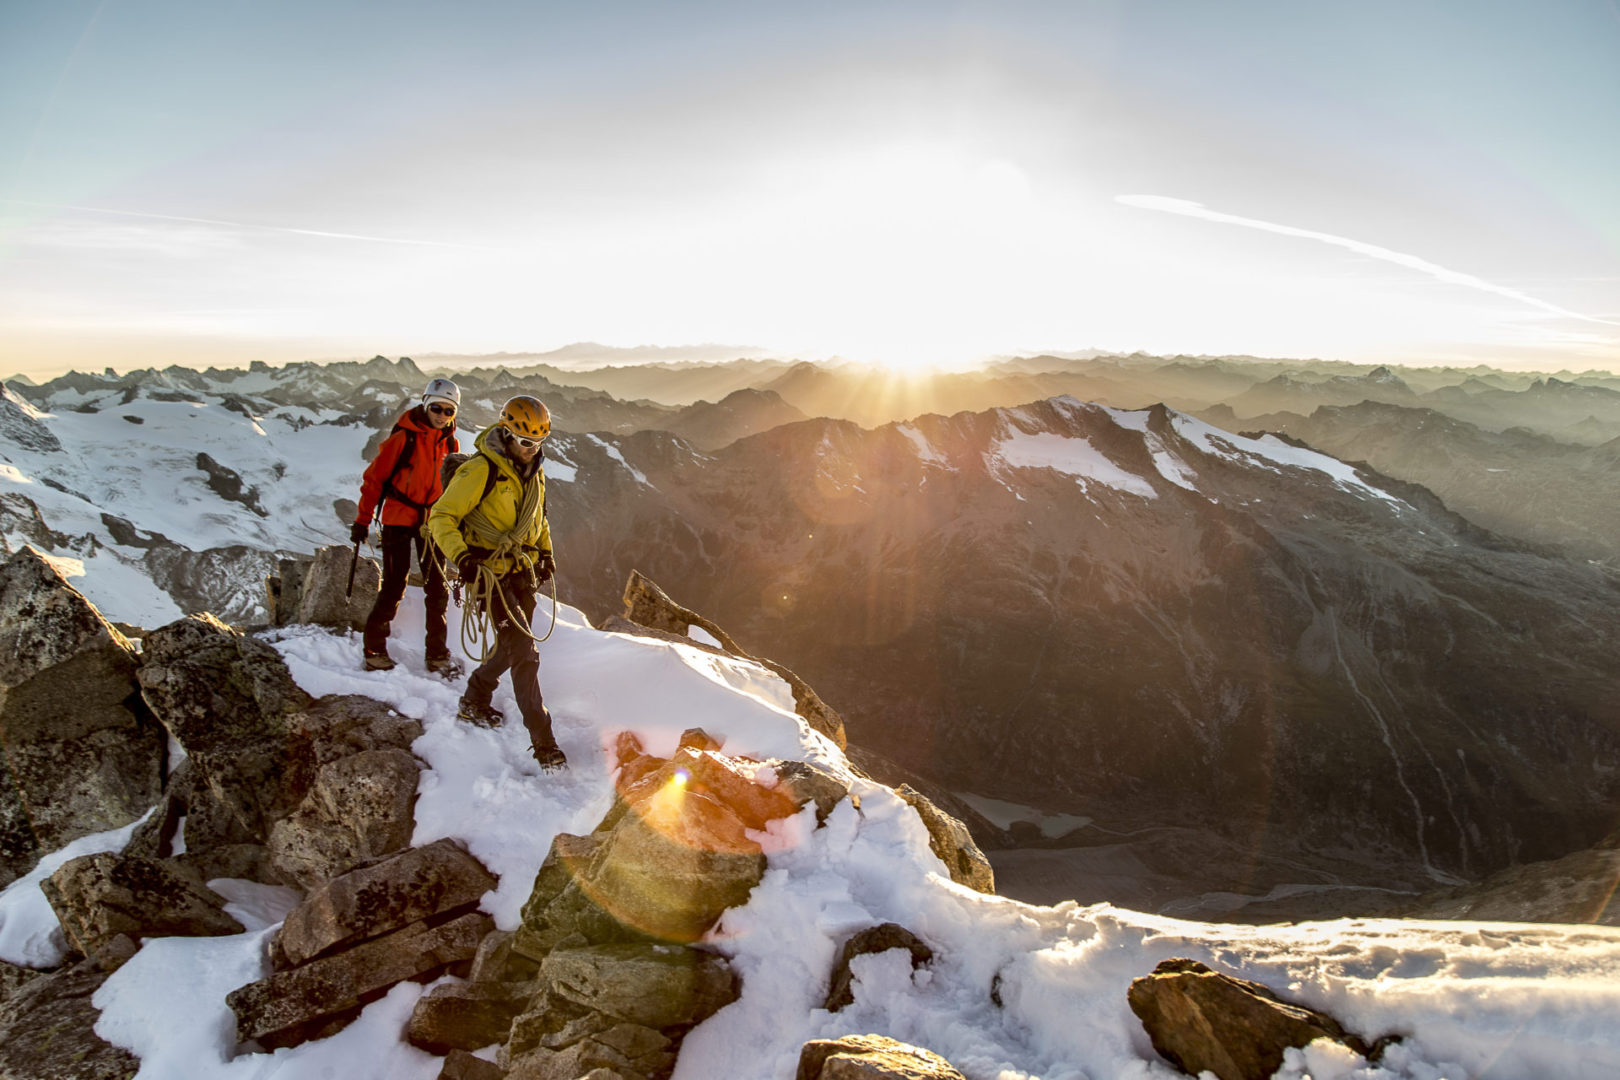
(217, 181)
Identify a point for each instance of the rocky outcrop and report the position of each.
(358, 807)
(670, 857)
(420, 884)
(656, 986)
(324, 996)
(646, 605)
(20, 424)
(229, 701)
(47, 1031)
(317, 590)
(467, 1016)
(81, 754)
(362, 795)
(871, 1057)
(461, 1065)
(604, 951)
(876, 939)
(103, 898)
(413, 916)
(227, 484)
(1200, 1020)
(950, 840)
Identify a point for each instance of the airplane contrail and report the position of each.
(1188, 208)
(251, 225)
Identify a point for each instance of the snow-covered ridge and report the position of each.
(1519, 1001)
(1029, 438)
(192, 468)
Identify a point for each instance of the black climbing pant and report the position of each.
(516, 651)
(396, 543)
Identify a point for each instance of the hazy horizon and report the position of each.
(901, 183)
(635, 356)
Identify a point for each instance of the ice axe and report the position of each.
(354, 565)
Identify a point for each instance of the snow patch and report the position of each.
(1071, 455)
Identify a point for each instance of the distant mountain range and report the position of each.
(1325, 663)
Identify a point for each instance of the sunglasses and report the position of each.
(442, 410)
(521, 441)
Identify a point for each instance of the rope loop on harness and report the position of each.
(479, 617)
(478, 629)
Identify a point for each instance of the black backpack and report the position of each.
(406, 456)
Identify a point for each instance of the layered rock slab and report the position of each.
(322, 996)
(1203, 1021)
(871, 1057)
(80, 753)
(414, 885)
(408, 917)
(99, 898)
(229, 701)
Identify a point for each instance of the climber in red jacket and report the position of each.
(402, 482)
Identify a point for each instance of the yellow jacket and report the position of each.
(501, 506)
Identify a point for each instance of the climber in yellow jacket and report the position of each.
(491, 524)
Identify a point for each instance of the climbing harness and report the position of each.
(478, 598)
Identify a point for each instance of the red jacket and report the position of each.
(414, 481)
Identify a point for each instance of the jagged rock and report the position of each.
(460, 1065)
(422, 883)
(324, 596)
(358, 808)
(497, 961)
(229, 701)
(557, 1038)
(47, 1031)
(803, 782)
(81, 754)
(875, 939)
(951, 841)
(345, 724)
(216, 843)
(20, 424)
(551, 1022)
(557, 907)
(227, 484)
(645, 604)
(658, 986)
(674, 865)
(466, 1016)
(1202, 1020)
(732, 782)
(626, 1051)
(323, 995)
(697, 739)
(871, 1057)
(99, 897)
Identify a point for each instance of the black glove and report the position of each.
(360, 531)
(467, 566)
(545, 568)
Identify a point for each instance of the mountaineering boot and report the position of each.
(542, 743)
(445, 667)
(550, 756)
(379, 661)
(482, 715)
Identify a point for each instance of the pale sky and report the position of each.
(217, 181)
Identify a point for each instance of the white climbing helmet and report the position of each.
(442, 390)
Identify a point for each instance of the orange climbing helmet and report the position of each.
(526, 417)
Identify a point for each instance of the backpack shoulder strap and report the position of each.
(406, 454)
(491, 474)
